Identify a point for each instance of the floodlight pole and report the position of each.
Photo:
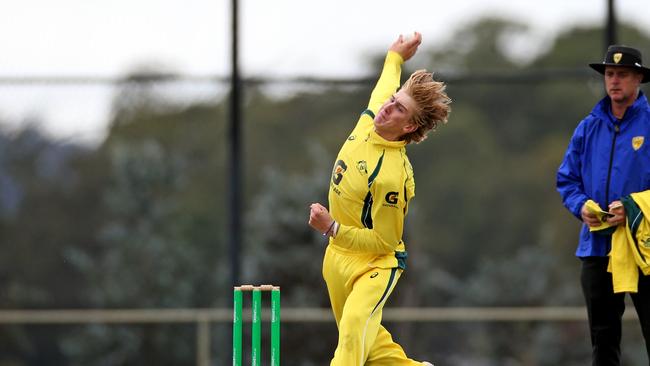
(235, 169)
(611, 25)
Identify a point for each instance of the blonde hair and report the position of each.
(432, 101)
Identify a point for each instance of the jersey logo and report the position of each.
(637, 142)
(337, 173)
(391, 197)
(362, 166)
(374, 275)
(646, 242)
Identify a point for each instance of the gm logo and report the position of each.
(391, 197)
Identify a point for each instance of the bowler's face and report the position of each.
(394, 117)
(622, 83)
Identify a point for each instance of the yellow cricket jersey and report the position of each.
(372, 183)
(631, 244)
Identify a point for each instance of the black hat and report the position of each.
(623, 56)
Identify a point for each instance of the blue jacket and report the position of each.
(606, 160)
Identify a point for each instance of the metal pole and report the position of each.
(234, 227)
(203, 342)
(611, 25)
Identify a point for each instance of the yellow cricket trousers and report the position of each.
(357, 294)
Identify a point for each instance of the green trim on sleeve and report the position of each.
(633, 213)
(366, 212)
(375, 172)
(401, 259)
(369, 112)
(634, 216)
(366, 216)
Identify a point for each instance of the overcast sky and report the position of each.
(278, 38)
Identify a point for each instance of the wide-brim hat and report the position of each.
(623, 56)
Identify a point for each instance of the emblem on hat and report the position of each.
(617, 57)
